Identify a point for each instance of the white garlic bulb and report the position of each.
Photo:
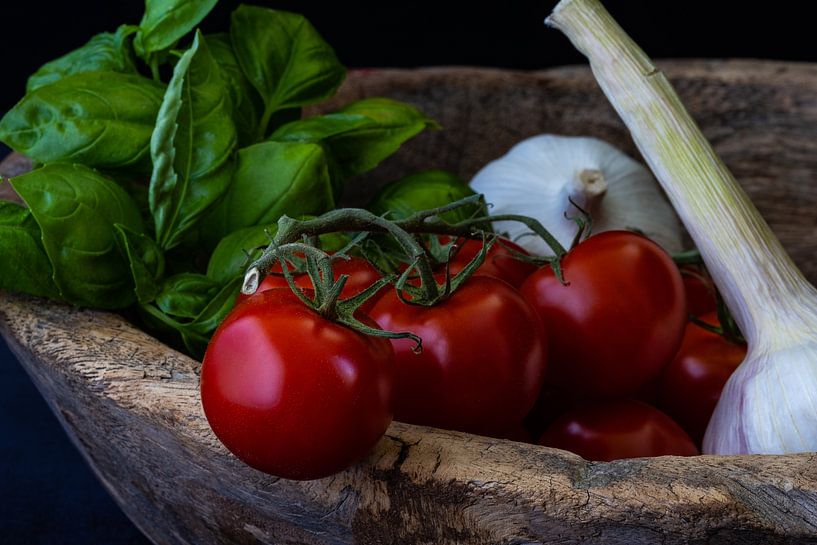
(538, 176)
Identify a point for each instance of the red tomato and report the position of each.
(293, 394)
(617, 321)
(618, 429)
(499, 262)
(700, 291)
(362, 274)
(482, 362)
(691, 385)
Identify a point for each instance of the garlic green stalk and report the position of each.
(769, 404)
(539, 177)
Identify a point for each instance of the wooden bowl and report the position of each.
(131, 404)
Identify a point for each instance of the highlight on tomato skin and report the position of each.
(691, 385)
(613, 430)
(293, 394)
(617, 319)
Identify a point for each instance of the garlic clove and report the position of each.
(540, 175)
(769, 405)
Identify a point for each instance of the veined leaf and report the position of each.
(76, 209)
(25, 266)
(247, 105)
(284, 58)
(191, 145)
(146, 261)
(104, 52)
(98, 119)
(166, 21)
(272, 179)
(359, 136)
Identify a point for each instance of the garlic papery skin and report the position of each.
(539, 177)
(769, 405)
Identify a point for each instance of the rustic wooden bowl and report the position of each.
(131, 404)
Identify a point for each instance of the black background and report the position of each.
(47, 494)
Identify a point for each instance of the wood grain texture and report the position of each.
(131, 404)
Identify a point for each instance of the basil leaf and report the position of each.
(193, 296)
(216, 310)
(247, 105)
(76, 209)
(185, 295)
(284, 58)
(26, 267)
(105, 51)
(196, 334)
(359, 136)
(146, 261)
(99, 119)
(272, 179)
(422, 191)
(191, 145)
(235, 251)
(166, 21)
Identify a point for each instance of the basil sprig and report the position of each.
(165, 155)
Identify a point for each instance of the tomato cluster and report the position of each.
(550, 354)
(628, 374)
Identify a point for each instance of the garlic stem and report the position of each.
(769, 404)
(771, 300)
(587, 187)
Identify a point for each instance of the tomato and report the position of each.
(618, 429)
(618, 319)
(699, 289)
(482, 362)
(293, 394)
(499, 261)
(362, 274)
(691, 385)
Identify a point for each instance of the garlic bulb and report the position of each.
(769, 404)
(538, 176)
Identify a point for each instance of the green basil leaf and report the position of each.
(76, 209)
(217, 309)
(105, 51)
(422, 191)
(247, 105)
(284, 58)
(188, 295)
(167, 21)
(197, 333)
(193, 140)
(235, 251)
(272, 179)
(99, 119)
(361, 135)
(24, 266)
(185, 295)
(146, 261)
